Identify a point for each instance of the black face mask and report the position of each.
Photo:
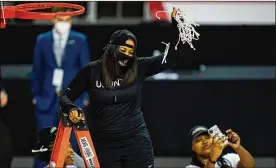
(124, 60)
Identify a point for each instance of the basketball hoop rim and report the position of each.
(22, 11)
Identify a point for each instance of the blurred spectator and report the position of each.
(58, 55)
(5, 141)
(4, 95)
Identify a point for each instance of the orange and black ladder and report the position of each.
(62, 141)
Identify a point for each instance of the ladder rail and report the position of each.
(84, 140)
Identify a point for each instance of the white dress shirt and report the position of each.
(60, 41)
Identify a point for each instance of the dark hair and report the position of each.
(223, 163)
(111, 70)
(60, 9)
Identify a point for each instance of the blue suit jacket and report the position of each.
(76, 56)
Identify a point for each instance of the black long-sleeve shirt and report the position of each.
(115, 114)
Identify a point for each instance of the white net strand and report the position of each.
(3, 13)
(186, 27)
(166, 52)
(187, 32)
(167, 45)
(156, 14)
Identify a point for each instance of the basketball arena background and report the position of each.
(229, 80)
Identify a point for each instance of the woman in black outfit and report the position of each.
(5, 141)
(114, 85)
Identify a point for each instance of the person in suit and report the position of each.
(58, 55)
(4, 95)
(5, 139)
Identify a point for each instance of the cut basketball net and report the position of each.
(187, 32)
(23, 11)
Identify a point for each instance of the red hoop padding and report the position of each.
(23, 11)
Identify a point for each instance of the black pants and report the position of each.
(5, 147)
(134, 155)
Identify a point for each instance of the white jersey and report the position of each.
(232, 158)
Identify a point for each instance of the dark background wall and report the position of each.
(171, 108)
(218, 45)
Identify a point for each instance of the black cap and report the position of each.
(120, 37)
(197, 131)
(44, 138)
